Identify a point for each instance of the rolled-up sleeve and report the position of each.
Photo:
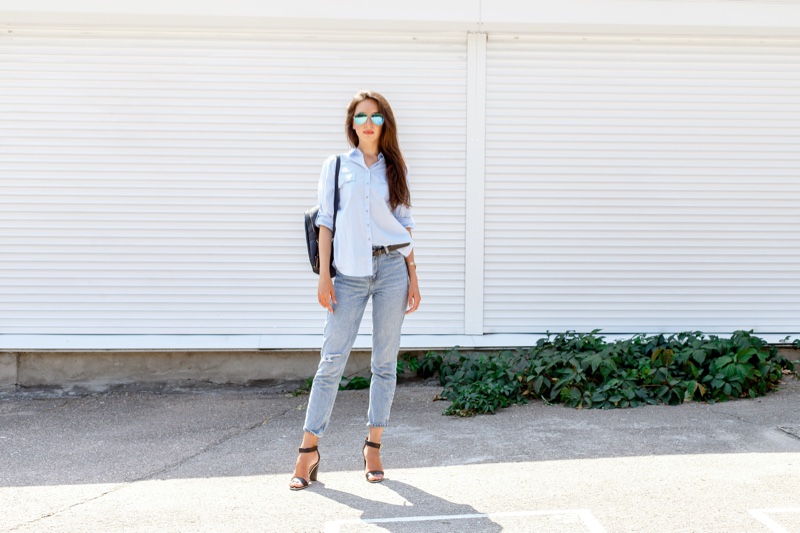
(403, 215)
(325, 193)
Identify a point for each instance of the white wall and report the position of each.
(652, 16)
(448, 18)
(147, 173)
(714, 17)
(458, 15)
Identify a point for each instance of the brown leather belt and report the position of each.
(380, 250)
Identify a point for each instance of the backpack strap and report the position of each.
(336, 194)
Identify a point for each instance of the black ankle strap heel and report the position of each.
(312, 473)
(373, 473)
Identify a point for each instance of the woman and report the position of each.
(373, 256)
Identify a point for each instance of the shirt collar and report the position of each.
(356, 155)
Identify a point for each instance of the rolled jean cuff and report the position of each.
(316, 434)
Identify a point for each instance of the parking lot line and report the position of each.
(762, 515)
(586, 516)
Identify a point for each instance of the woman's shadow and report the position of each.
(426, 512)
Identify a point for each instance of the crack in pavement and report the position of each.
(64, 509)
(791, 431)
(217, 443)
(733, 416)
(163, 470)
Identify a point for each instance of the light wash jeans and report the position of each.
(388, 287)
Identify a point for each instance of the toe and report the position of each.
(296, 483)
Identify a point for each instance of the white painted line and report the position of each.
(585, 515)
(762, 515)
(591, 522)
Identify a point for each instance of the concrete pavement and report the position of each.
(220, 458)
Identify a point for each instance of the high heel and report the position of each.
(371, 472)
(312, 472)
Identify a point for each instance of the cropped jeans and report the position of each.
(388, 287)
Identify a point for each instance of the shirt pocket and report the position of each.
(346, 178)
(349, 188)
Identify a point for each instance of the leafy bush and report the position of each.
(481, 384)
(354, 383)
(583, 370)
(408, 363)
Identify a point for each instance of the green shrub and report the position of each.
(354, 383)
(481, 383)
(583, 370)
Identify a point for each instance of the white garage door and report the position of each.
(642, 185)
(155, 183)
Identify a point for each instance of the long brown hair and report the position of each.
(387, 144)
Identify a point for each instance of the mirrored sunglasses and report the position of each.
(361, 118)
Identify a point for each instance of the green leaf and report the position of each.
(724, 360)
(537, 384)
(745, 354)
(599, 397)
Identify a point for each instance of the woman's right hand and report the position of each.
(325, 292)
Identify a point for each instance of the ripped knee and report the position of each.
(330, 357)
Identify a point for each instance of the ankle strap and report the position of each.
(372, 444)
(307, 450)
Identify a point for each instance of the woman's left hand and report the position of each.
(413, 294)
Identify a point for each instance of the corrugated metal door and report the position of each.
(642, 184)
(154, 183)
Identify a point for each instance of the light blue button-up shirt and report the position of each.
(365, 218)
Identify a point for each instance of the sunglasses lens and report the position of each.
(361, 118)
